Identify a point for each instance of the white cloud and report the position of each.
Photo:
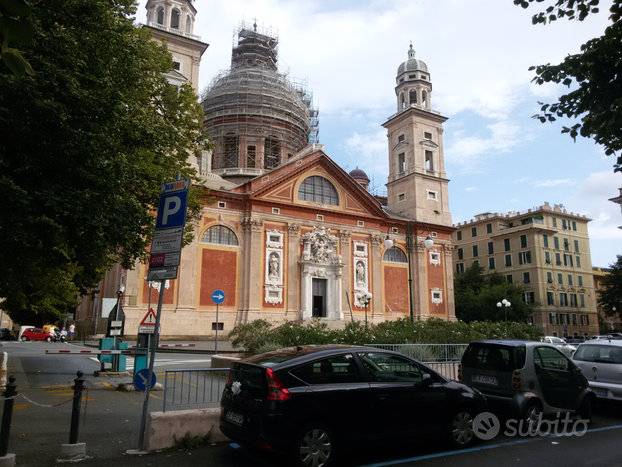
(549, 183)
(471, 188)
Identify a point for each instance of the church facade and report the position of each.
(291, 235)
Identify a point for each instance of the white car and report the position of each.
(560, 343)
(601, 363)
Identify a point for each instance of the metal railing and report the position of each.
(192, 387)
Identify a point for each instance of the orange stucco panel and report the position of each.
(218, 272)
(169, 294)
(436, 279)
(396, 289)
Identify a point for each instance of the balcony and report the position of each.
(179, 32)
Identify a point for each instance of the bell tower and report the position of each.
(417, 187)
(173, 21)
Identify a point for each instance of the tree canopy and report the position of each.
(476, 296)
(85, 145)
(593, 74)
(610, 292)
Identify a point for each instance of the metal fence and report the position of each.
(192, 387)
(443, 358)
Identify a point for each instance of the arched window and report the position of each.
(318, 190)
(220, 235)
(412, 97)
(160, 15)
(272, 153)
(424, 99)
(175, 19)
(395, 255)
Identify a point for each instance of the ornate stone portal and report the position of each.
(321, 269)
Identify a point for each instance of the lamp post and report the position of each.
(365, 296)
(504, 304)
(428, 243)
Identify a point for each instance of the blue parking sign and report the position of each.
(172, 210)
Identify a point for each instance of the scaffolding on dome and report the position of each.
(256, 114)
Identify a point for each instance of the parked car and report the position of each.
(525, 380)
(601, 362)
(6, 334)
(560, 343)
(309, 401)
(37, 334)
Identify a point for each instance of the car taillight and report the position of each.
(517, 379)
(459, 371)
(276, 390)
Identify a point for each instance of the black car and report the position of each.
(5, 334)
(311, 401)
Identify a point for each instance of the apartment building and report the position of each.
(547, 251)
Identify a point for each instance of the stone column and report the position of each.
(250, 292)
(375, 257)
(449, 282)
(293, 271)
(346, 258)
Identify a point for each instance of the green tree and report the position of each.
(15, 28)
(594, 74)
(477, 294)
(610, 293)
(85, 145)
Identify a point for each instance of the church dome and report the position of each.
(412, 64)
(358, 174)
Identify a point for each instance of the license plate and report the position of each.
(234, 417)
(600, 392)
(485, 379)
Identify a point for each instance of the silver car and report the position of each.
(560, 343)
(601, 363)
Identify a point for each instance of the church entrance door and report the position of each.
(319, 298)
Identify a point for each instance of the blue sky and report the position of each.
(478, 53)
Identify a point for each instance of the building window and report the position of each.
(160, 16)
(320, 217)
(432, 195)
(554, 222)
(222, 204)
(459, 235)
(529, 298)
(174, 19)
(564, 225)
(401, 163)
(585, 320)
(573, 299)
(566, 244)
(574, 320)
(576, 246)
(580, 280)
(475, 252)
(360, 223)
(552, 318)
(570, 279)
(523, 241)
(524, 257)
(395, 255)
(526, 279)
(506, 244)
(427, 135)
(574, 226)
(550, 298)
(474, 232)
(560, 279)
(564, 318)
(491, 263)
(176, 65)
(488, 228)
(508, 261)
(429, 160)
(567, 260)
(547, 257)
(460, 254)
(556, 243)
(272, 153)
(459, 267)
(545, 238)
(251, 157)
(578, 259)
(491, 248)
(400, 138)
(549, 277)
(509, 279)
(582, 299)
(276, 211)
(401, 197)
(563, 299)
(558, 259)
(219, 235)
(318, 190)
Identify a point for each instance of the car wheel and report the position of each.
(585, 411)
(533, 415)
(314, 446)
(24, 339)
(461, 428)
(48, 339)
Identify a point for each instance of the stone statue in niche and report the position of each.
(274, 266)
(360, 275)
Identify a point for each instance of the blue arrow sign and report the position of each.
(140, 379)
(218, 296)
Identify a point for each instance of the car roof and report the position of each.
(603, 341)
(508, 342)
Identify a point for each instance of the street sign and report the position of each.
(147, 325)
(172, 210)
(162, 274)
(164, 260)
(218, 296)
(140, 379)
(177, 185)
(167, 240)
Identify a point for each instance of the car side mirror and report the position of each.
(426, 381)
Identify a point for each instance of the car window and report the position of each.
(334, 370)
(489, 357)
(393, 368)
(550, 358)
(598, 353)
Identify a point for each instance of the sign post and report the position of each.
(218, 296)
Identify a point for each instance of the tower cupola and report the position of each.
(413, 83)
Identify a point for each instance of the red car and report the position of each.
(36, 334)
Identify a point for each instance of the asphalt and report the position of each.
(109, 421)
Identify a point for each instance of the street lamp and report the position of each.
(506, 304)
(365, 297)
(428, 243)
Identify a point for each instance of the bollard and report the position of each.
(75, 412)
(6, 416)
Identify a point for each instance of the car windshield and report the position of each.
(598, 353)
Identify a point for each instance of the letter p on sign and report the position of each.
(172, 210)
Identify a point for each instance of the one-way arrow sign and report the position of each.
(218, 296)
